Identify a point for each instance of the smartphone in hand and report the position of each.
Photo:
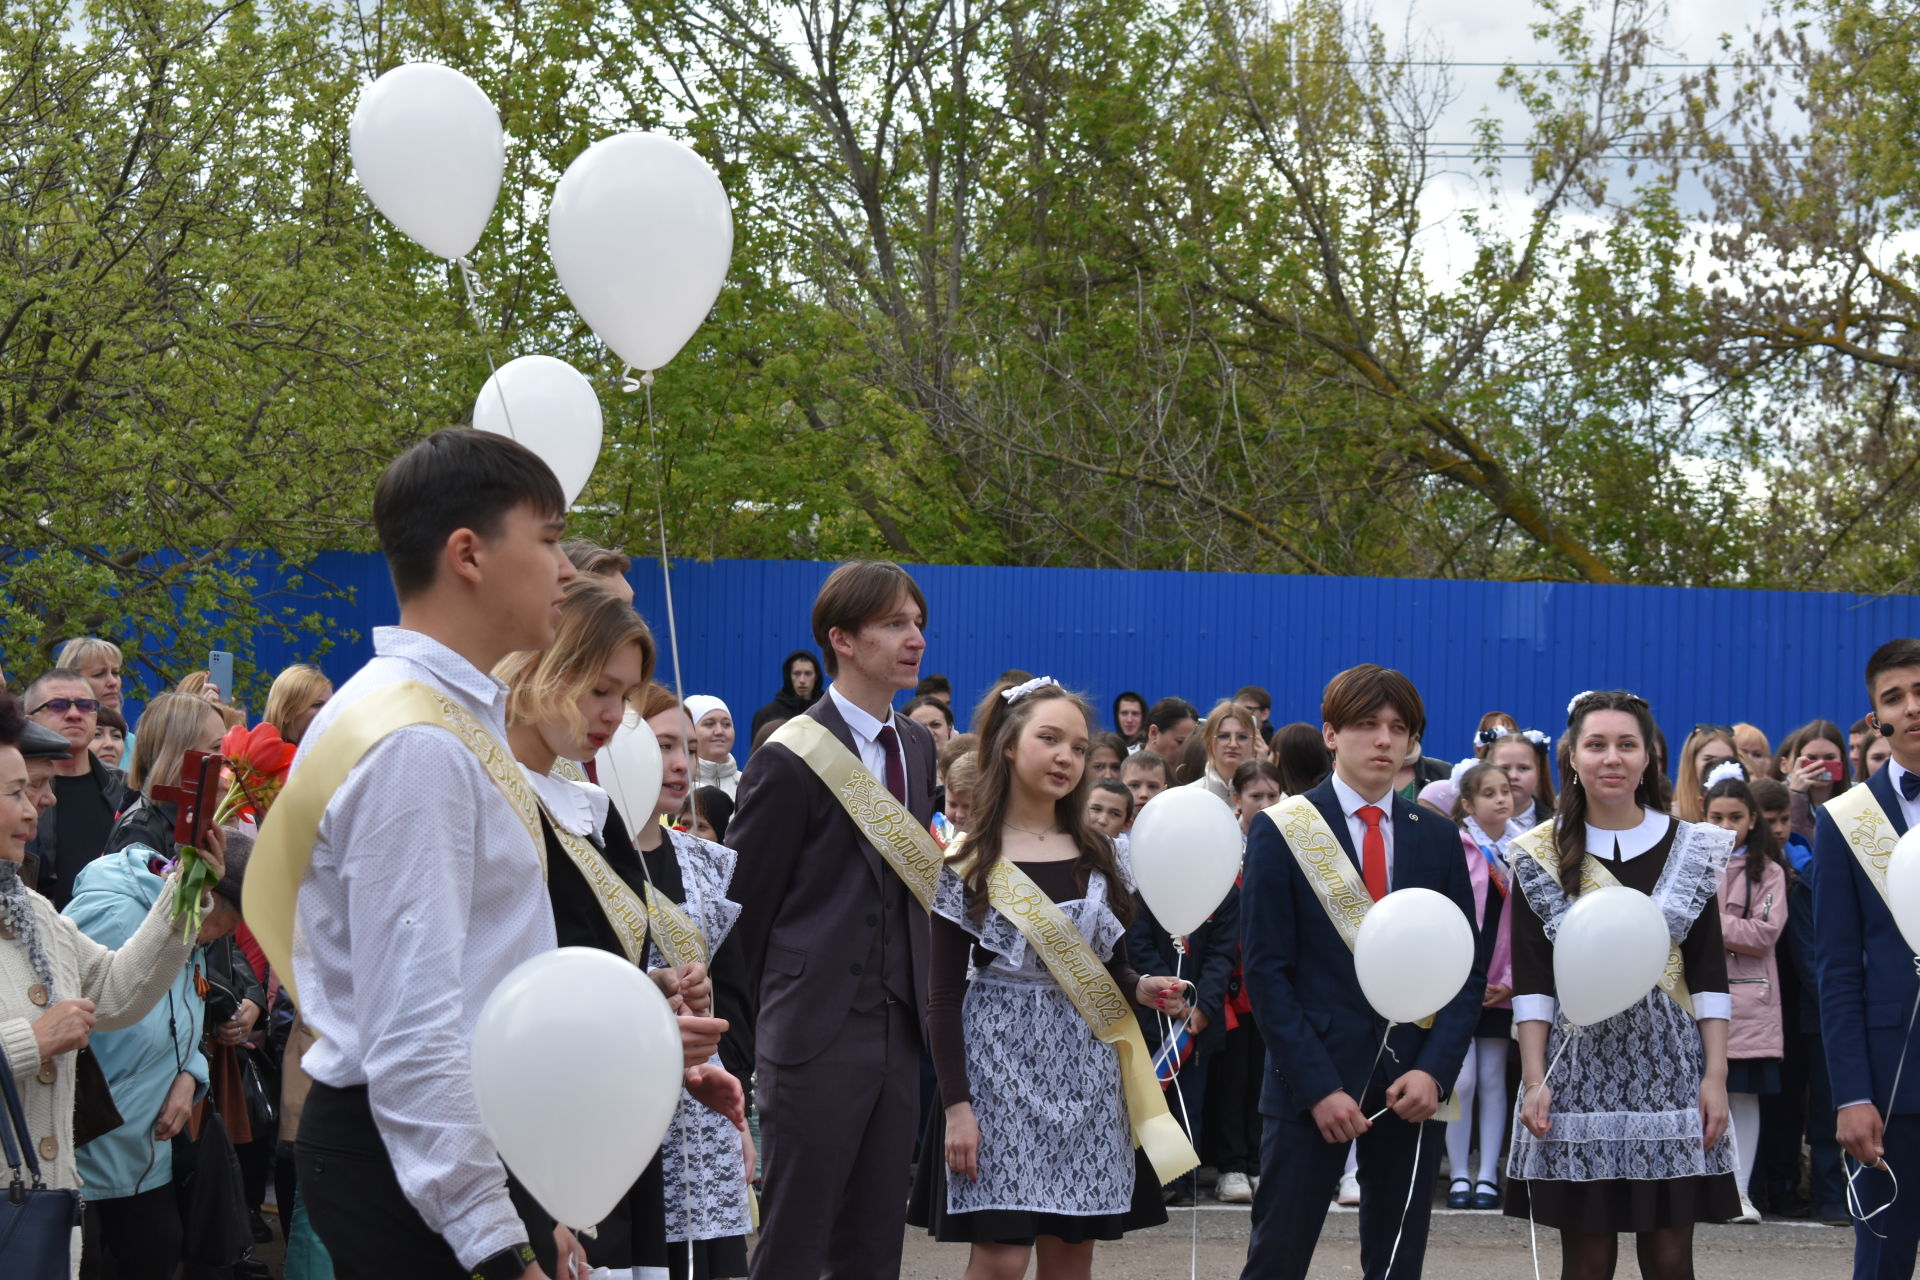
(220, 674)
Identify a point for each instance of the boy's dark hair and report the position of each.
(1359, 691)
(855, 594)
(935, 686)
(457, 478)
(1145, 759)
(1114, 787)
(1169, 712)
(1255, 694)
(1770, 794)
(958, 745)
(1891, 656)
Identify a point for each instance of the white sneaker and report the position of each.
(1233, 1189)
(1253, 1180)
(1747, 1212)
(1349, 1190)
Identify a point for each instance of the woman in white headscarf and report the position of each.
(713, 764)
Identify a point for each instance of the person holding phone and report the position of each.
(1813, 762)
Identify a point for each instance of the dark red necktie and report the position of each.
(896, 772)
(1373, 851)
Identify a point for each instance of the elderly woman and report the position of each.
(57, 986)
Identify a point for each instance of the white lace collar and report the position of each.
(1625, 846)
(579, 808)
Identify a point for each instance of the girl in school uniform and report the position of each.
(1020, 1160)
(1523, 758)
(1753, 915)
(1484, 810)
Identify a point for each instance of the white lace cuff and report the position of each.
(1712, 1004)
(1535, 1008)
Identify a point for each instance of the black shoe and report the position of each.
(1488, 1199)
(1460, 1194)
(251, 1268)
(1182, 1196)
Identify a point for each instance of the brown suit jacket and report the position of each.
(810, 888)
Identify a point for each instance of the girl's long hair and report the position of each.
(1689, 797)
(1000, 724)
(1762, 848)
(1543, 797)
(1570, 834)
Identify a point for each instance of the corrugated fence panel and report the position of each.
(1776, 659)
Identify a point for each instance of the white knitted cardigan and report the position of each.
(123, 986)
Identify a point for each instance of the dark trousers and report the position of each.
(354, 1200)
(1299, 1171)
(1230, 1138)
(837, 1141)
(132, 1237)
(1783, 1123)
(1891, 1258)
(1828, 1180)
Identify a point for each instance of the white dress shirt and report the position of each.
(424, 892)
(1351, 803)
(866, 736)
(1616, 847)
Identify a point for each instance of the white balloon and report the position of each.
(630, 769)
(577, 1071)
(1185, 850)
(641, 236)
(1903, 888)
(1413, 954)
(549, 407)
(1612, 947)
(429, 152)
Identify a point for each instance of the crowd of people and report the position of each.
(874, 922)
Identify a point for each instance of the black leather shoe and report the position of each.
(1488, 1199)
(1459, 1194)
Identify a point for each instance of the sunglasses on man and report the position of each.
(64, 705)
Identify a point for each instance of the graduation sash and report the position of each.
(908, 848)
(1330, 872)
(1538, 844)
(674, 932)
(1868, 831)
(1099, 1000)
(284, 848)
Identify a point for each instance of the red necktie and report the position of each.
(1373, 852)
(896, 772)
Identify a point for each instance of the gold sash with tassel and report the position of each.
(1868, 831)
(284, 848)
(1538, 844)
(1099, 1000)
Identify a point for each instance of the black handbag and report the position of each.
(94, 1111)
(36, 1221)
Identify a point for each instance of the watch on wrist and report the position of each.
(508, 1264)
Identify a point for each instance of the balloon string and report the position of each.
(666, 574)
(476, 288)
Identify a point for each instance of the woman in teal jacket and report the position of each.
(155, 1068)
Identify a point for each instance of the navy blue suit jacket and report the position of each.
(1322, 1035)
(1867, 980)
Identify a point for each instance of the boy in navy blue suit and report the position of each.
(1868, 985)
(1301, 903)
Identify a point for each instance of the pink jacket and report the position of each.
(1500, 967)
(1751, 920)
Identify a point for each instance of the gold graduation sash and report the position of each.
(284, 847)
(903, 844)
(1867, 830)
(1330, 873)
(1108, 1012)
(1538, 844)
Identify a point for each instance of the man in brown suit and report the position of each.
(835, 951)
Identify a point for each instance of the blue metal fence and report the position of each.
(1774, 658)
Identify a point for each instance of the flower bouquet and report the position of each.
(252, 764)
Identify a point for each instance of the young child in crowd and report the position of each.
(1753, 914)
(1484, 809)
(1110, 809)
(1146, 775)
(1105, 756)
